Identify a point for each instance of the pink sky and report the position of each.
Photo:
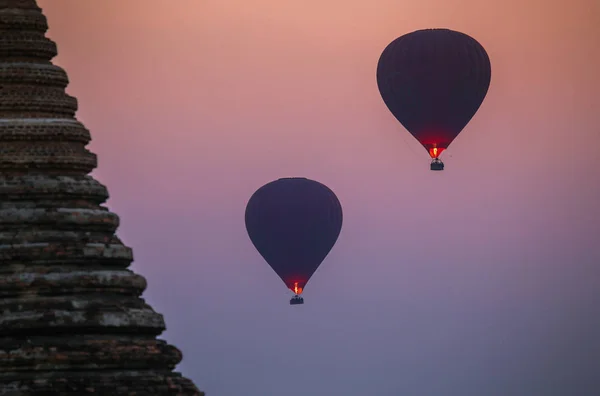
(480, 279)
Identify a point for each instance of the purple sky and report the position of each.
(483, 279)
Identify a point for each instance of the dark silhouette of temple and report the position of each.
(71, 317)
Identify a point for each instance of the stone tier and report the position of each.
(38, 101)
(97, 382)
(20, 190)
(26, 46)
(69, 314)
(23, 16)
(55, 158)
(41, 129)
(19, 281)
(33, 73)
(20, 5)
(99, 219)
(86, 352)
(79, 252)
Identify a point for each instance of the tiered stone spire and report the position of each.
(71, 317)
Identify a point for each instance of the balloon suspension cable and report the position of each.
(410, 147)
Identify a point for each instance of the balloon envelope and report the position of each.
(433, 81)
(294, 223)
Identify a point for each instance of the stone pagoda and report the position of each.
(71, 317)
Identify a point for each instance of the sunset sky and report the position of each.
(481, 280)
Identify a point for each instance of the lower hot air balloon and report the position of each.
(294, 223)
(433, 81)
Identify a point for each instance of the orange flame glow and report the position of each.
(435, 152)
(297, 289)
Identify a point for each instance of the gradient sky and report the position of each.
(483, 279)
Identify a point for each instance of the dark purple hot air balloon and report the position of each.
(294, 223)
(433, 81)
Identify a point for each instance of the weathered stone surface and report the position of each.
(71, 317)
(113, 255)
(86, 352)
(21, 19)
(40, 281)
(26, 46)
(36, 129)
(100, 382)
(30, 156)
(105, 312)
(60, 218)
(34, 191)
(40, 99)
(33, 73)
(24, 5)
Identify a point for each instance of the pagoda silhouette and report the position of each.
(71, 317)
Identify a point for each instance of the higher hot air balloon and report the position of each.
(294, 223)
(433, 81)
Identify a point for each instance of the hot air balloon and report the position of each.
(433, 81)
(294, 223)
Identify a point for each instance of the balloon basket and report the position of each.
(296, 300)
(437, 165)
